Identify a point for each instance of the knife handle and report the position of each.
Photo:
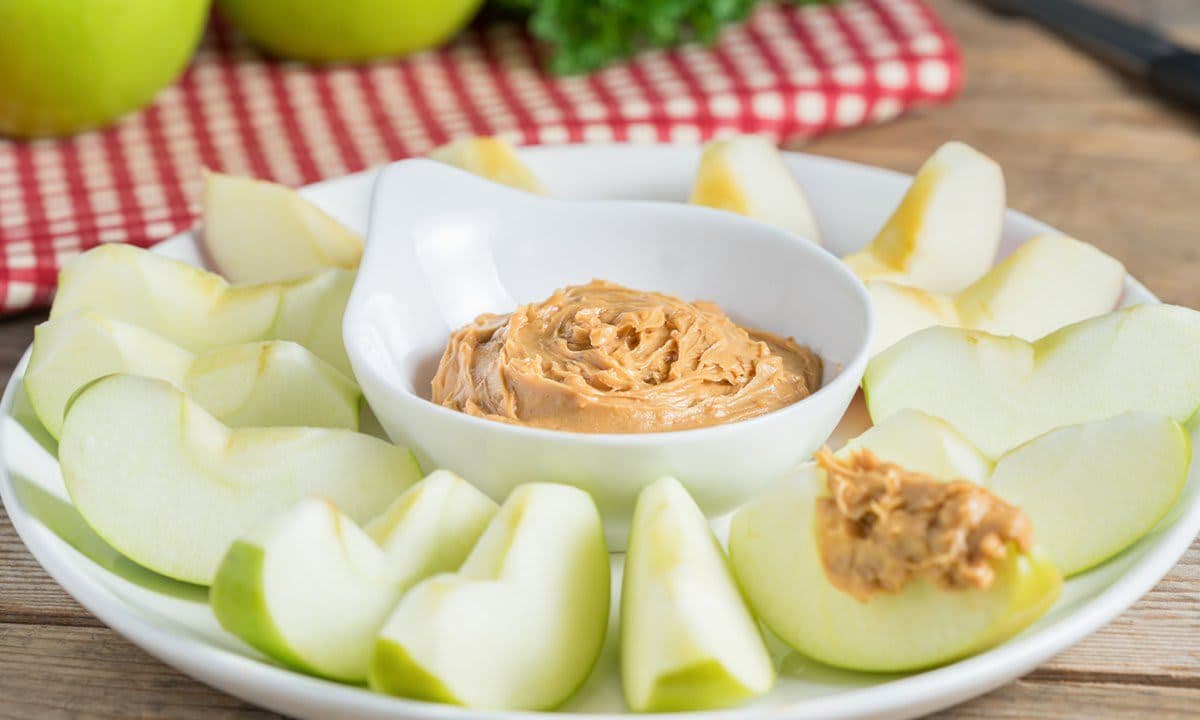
(1177, 77)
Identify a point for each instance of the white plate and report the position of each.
(172, 622)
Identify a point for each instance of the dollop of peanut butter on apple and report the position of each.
(881, 526)
(603, 358)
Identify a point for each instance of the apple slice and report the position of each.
(944, 234)
(687, 640)
(901, 310)
(1049, 282)
(1094, 489)
(171, 487)
(774, 551)
(1090, 490)
(199, 310)
(520, 625)
(489, 157)
(256, 384)
(256, 232)
(311, 589)
(747, 176)
(925, 444)
(1002, 391)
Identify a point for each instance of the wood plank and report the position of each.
(1158, 637)
(65, 672)
(1028, 698)
(70, 672)
(27, 593)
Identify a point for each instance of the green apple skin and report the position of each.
(71, 66)
(199, 310)
(238, 599)
(350, 30)
(773, 548)
(261, 384)
(172, 488)
(688, 642)
(1000, 392)
(1094, 489)
(521, 624)
(312, 590)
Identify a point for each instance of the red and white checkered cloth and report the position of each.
(788, 71)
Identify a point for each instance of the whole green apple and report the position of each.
(71, 65)
(348, 30)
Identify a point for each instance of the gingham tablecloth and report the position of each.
(788, 71)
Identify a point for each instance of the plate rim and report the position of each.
(266, 684)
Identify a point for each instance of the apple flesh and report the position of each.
(199, 310)
(171, 487)
(1094, 489)
(1002, 391)
(1049, 282)
(945, 232)
(491, 158)
(775, 555)
(688, 642)
(901, 310)
(773, 547)
(520, 625)
(257, 232)
(256, 384)
(747, 176)
(311, 589)
(1090, 490)
(925, 444)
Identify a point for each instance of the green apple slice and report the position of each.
(1002, 391)
(1094, 489)
(746, 175)
(273, 383)
(256, 231)
(901, 310)
(199, 310)
(925, 444)
(520, 625)
(171, 487)
(1049, 282)
(773, 548)
(255, 384)
(311, 589)
(688, 642)
(944, 234)
(489, 157)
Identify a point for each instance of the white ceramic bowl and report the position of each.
(445, 246)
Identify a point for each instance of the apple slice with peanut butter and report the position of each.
(873, 565)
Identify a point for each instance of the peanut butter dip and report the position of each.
(602, 358)
(883, 525)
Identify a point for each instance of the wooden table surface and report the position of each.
(1082, 149)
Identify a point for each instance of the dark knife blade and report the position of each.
(1172, 71)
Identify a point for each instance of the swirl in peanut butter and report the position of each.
(603, 358)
